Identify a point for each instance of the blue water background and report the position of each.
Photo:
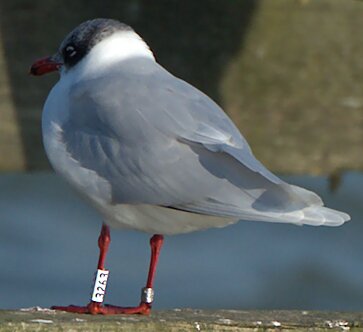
(48, 254)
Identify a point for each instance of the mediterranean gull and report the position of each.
(152, 153)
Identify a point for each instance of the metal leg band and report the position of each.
(147, 295)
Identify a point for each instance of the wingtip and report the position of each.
(330, 217)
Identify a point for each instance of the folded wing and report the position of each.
(157, 140)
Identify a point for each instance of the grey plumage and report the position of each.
(169, 145)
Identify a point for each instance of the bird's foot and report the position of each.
(94, 308)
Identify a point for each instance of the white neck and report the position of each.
(116, 48)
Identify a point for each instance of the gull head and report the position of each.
(92, 45)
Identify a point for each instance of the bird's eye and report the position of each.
(70, 51)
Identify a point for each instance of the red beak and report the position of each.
(44, 66)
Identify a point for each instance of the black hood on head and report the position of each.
(81, 40)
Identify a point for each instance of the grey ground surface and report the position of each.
(38, 319)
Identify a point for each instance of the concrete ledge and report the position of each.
(37, 319)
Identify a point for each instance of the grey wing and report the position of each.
(157, 140)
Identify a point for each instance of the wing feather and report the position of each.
(169, 144)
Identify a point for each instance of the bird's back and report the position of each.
(155, 140)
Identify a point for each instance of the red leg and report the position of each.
(104, 241)
(147, 293)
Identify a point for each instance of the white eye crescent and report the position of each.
(71, 52)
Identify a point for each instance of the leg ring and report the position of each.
(147, 295)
